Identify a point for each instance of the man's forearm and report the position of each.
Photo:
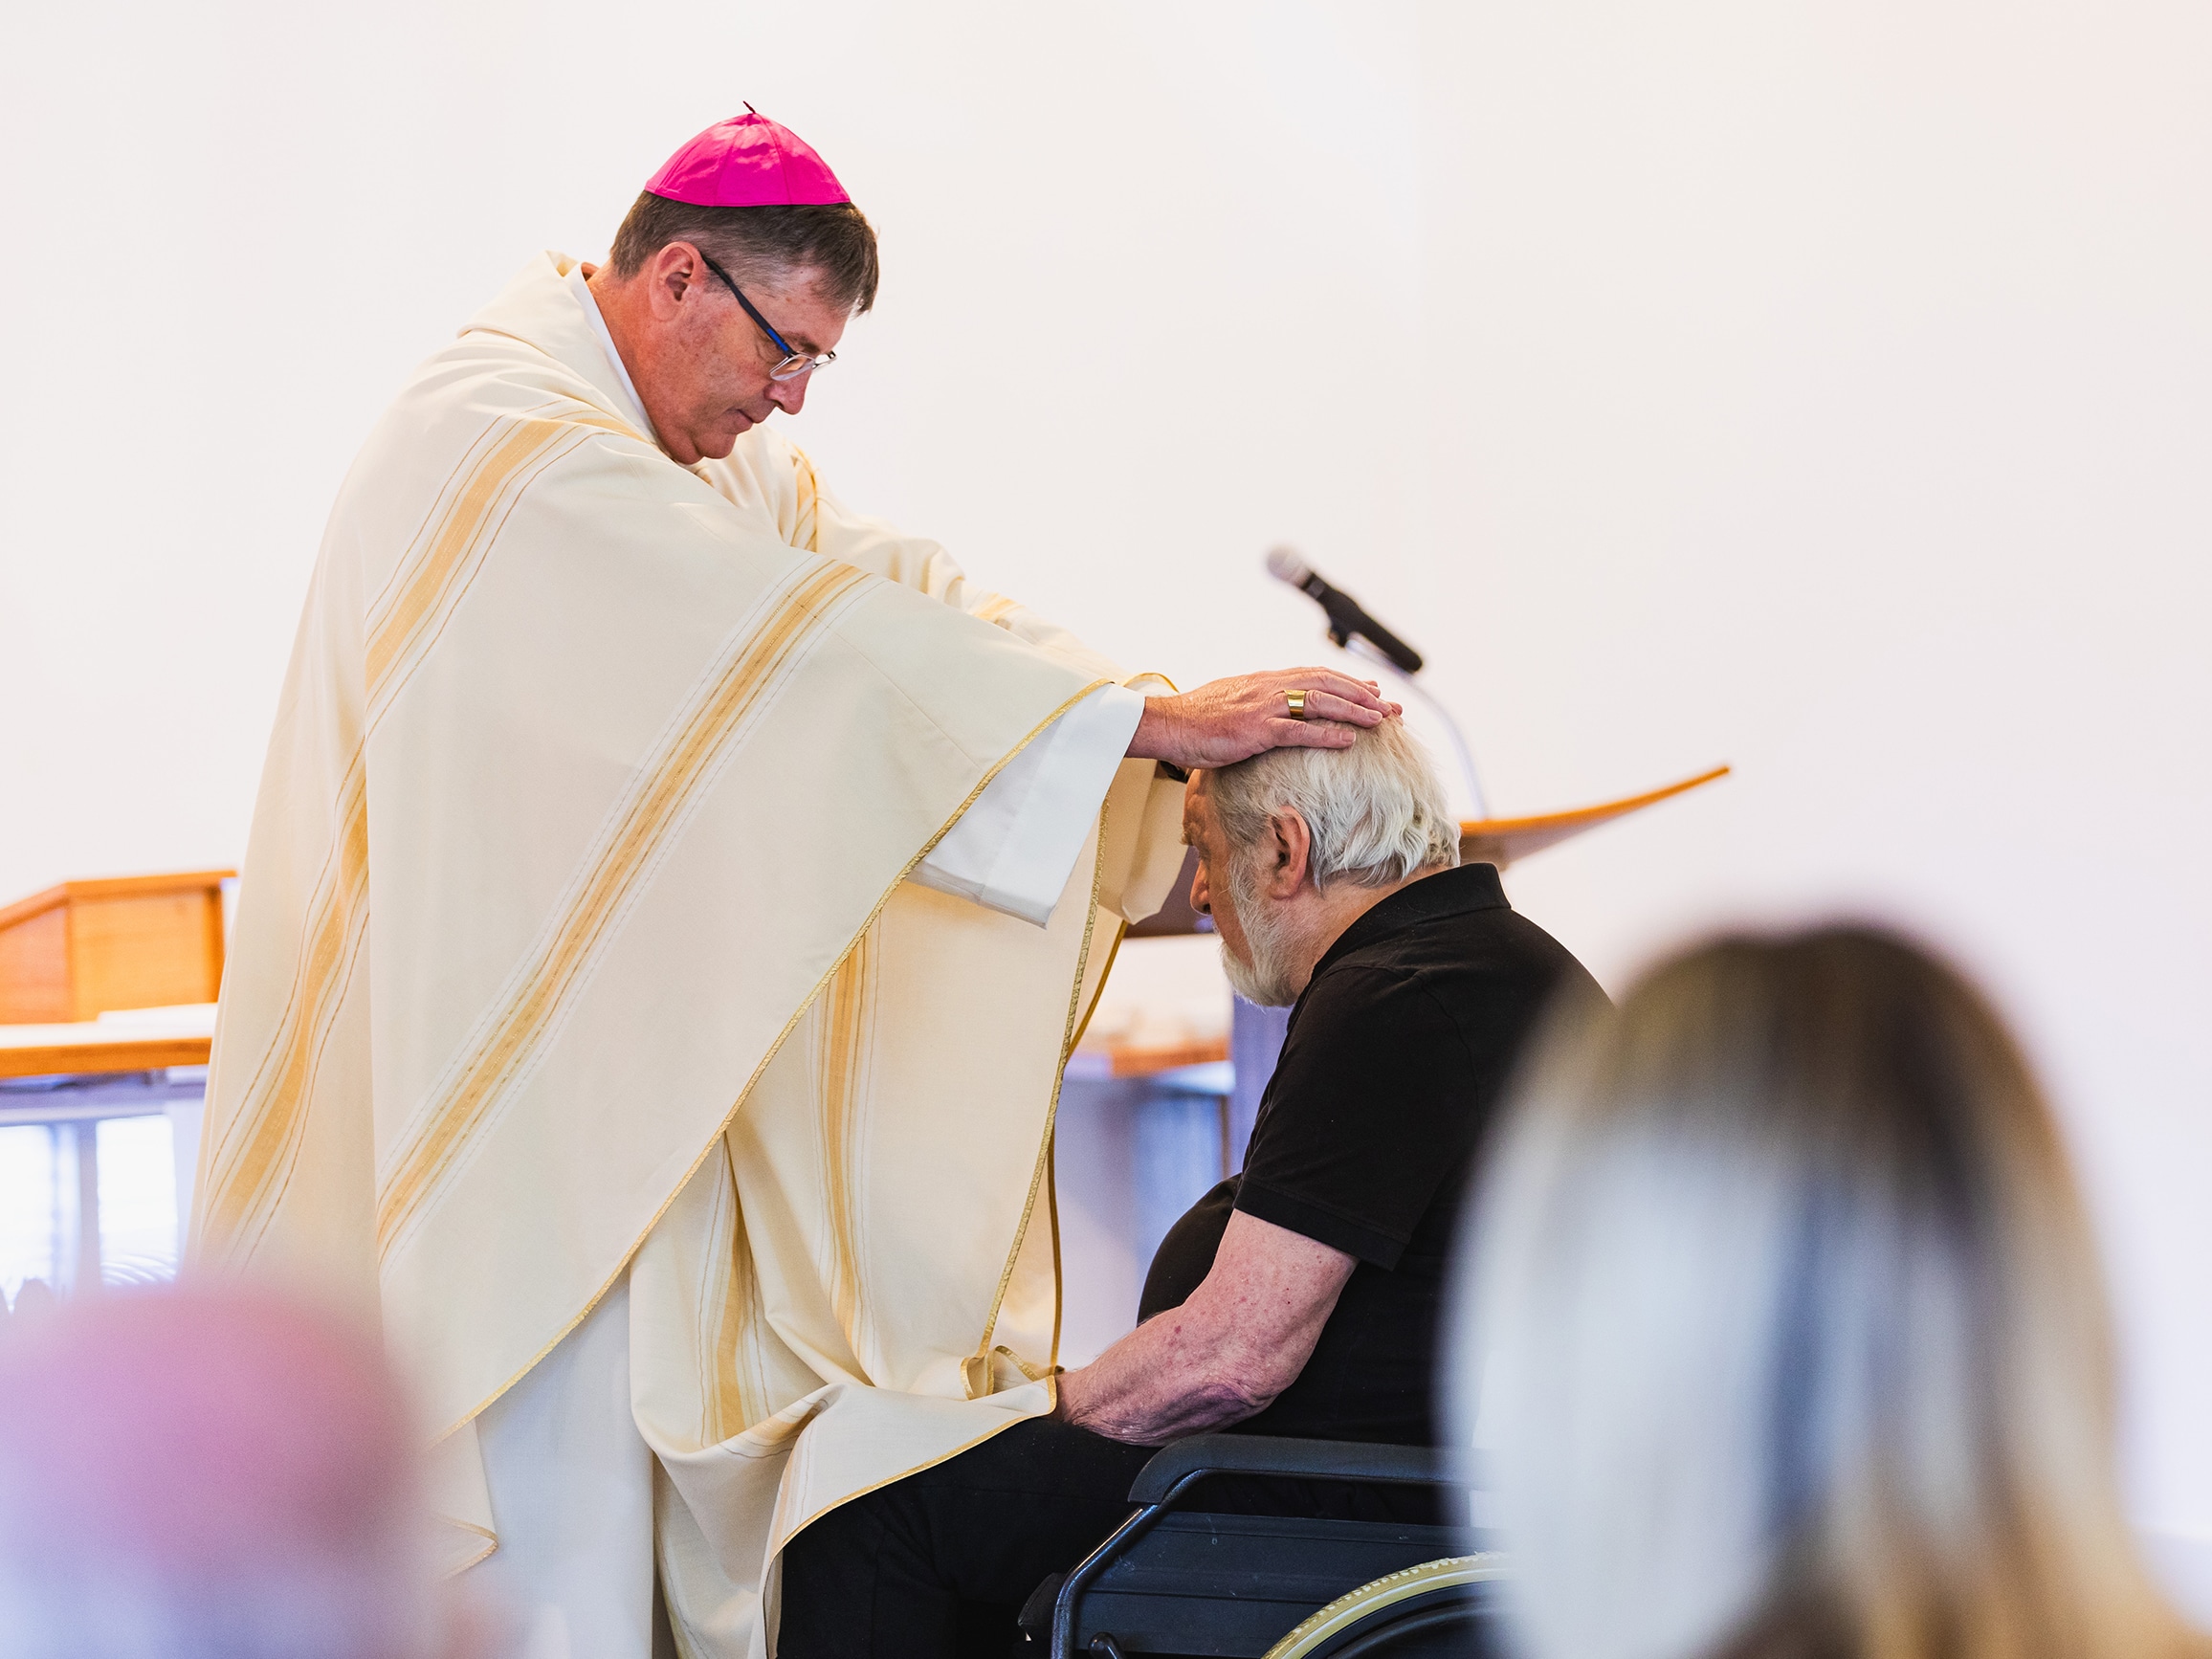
(1241, 1340)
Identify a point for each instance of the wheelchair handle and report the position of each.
(1175, 1464)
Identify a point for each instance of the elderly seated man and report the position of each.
(1301, 1297)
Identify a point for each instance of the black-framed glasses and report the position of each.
(795, 363)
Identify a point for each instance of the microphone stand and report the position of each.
(1357, 647)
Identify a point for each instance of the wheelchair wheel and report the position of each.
(1438, 1607)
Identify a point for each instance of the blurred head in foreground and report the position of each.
(1794, 1334)
(198, 1473)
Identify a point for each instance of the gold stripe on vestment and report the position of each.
(723, 1304)
(442, 566)
(434, 511)
(807, 522)
(247, 1171)
(845, 1024)
(997, 610)
(668, 781)
(449, 549)
(248, 1168)
(717, 1146)
(725, 1293)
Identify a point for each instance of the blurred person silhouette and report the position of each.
(1789, 1328)
(207, 1474)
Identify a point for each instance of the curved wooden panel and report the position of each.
(1499, 841)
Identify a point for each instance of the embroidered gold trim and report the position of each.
(1113, 956)
(1043, 1170)
(781, 1539)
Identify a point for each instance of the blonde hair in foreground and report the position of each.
(1790, 1329)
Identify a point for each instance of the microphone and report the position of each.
(1346, 618)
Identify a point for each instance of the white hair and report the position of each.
(1788, 1330)
(1377, 811)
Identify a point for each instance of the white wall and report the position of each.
(232, 230)
(1820, 388)
(1828, 390)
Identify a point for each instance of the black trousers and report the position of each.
(939, 1563)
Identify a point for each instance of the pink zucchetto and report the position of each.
(747, 162)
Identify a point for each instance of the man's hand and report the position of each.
(1228, 721)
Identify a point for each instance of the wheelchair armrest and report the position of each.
(1180, 1461)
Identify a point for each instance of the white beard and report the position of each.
(1267, 979)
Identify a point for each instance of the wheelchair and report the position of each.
(1171, 1581)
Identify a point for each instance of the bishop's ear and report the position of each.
(670, 275)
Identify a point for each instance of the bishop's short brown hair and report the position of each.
(834, 239)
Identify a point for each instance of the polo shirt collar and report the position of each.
(1448, 893)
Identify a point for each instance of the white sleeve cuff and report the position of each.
(1013, 850)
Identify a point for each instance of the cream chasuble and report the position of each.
(576, 939)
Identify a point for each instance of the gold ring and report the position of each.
(1297, 704)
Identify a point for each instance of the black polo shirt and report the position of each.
(1393, 1063)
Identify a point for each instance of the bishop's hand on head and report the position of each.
(1228, 721)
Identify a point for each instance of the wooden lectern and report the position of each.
(87, 948)
(106, 989)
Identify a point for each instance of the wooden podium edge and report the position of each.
(1118, 1060)
(1501, 840)
(120, 1054)
(111, 887)
(1597, 814)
